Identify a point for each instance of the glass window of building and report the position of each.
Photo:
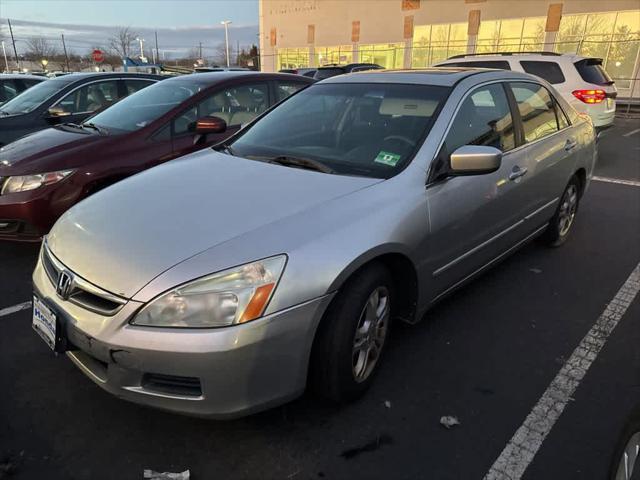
(387, 55)
(512, 35)
(341, 55)
(435, 43)
(614, 37)
(293, 58)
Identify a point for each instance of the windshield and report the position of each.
(323, 73)
(143, 107)
(32, 98)
(369, 130)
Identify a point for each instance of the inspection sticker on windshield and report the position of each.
(387, 158)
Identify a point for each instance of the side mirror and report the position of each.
(210, 124)
(57, 112)
(475, 160)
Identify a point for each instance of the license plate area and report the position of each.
(47, 324)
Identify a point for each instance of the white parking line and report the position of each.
(15, 308)
(525, 443)
(632, 132)
(620, 181)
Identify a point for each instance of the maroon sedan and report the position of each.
(45, 173)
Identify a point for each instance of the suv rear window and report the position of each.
(323, 73)
(550, 71)
(591, 71)
(499, 64)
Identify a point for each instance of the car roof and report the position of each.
(11, 76)
(536, 56)
(438, 76)
(209, 78)
(76, 77)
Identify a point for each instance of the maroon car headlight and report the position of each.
(23, 183)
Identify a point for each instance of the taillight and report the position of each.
(590, 96)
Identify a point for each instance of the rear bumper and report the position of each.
(215, 373)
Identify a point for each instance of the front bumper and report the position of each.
(215, 373)
(25, 216)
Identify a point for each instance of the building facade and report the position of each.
(419, 33)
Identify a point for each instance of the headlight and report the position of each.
(230, 297)
(23, 183)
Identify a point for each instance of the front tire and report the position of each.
(625, 463)
(351, 338)
(562, 221)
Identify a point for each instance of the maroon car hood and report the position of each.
(49, 150)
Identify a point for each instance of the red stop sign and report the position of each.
(98, 56)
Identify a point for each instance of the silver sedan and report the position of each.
(230, 280)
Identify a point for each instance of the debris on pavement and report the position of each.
(151, 475)
(387, 403)
(371, 446)
(449, 421)
(535, 270)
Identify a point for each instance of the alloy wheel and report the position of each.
(568, 209)
(630, 458)
(371, 333)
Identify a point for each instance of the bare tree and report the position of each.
(39, 48)
(121, 43)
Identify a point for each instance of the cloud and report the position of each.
(174, 41)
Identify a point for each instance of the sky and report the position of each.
(181, 24)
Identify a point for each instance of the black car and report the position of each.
(332, 70)
(68, 99)
(13, 85)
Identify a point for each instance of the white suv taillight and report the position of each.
(590, 96)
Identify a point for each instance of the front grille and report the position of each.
(81, 292)
(171, 384)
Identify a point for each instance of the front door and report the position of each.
(473, 219)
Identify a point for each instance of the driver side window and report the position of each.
(484, 118)
(91, 97)
(235, 105)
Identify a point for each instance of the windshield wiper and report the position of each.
(305, 163)
(225, 149)
(93, 126)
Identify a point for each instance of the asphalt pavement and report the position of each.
(486, 355)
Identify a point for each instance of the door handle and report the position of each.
(517, 173)
(570, 144)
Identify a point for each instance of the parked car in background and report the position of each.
(70, 98)
(45, 173)
(328, 71)
(305, 71)
(237, 276)
(220, 69)
(582, 81)
(13, 85)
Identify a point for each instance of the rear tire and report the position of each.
(562, 221)
(624, 457)
(351, 337)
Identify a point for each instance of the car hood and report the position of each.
(124, 236)
(46, 150)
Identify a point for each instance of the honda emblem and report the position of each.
(64, 285)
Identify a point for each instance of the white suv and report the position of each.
(582, 81)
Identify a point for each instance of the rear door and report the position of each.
(550, 145)
(475, 218)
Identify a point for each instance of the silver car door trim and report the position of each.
(538, 210)
(490, 263)
(476, 248)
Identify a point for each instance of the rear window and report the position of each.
(550, 71)
(591, 71)
(322, 73)
(499, 64)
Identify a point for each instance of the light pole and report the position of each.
(226, 24)
(44, 63)
(141, 40)
(6, 62)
